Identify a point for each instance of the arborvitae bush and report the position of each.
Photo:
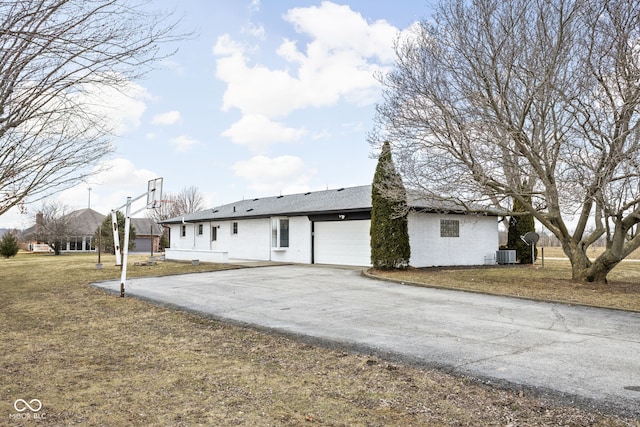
(519, 226)
(389, 227)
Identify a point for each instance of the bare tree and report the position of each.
(56, 56)
(54, 225)
(187, 200)
(532, 100)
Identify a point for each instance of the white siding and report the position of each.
(478, 240)
(338, 242)
(343, 243)
(253, 241)
(299, 250)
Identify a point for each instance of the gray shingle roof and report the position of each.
(84, 222)
(350, 199)
(143, 226)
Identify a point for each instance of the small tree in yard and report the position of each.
(519, 225)
(389, 229)
(106, 233)
(9, 245)
(54, 225)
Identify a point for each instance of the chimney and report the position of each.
(39, 220)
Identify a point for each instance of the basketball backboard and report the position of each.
(154, 193)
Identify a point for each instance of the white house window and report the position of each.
(75, 244)
(279, 232)
(449, 228)
(214, 234)
(183, 231)
(200, 229)
(234, 228)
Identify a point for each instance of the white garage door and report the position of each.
(342, 242)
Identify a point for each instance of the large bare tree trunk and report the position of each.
(530, 100)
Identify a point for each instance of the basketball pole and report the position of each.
(154, 197)
(125, 248)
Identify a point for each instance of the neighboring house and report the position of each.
(327, 227)
(148, 233)
(83, 224)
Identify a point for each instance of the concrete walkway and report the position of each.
(590, 356)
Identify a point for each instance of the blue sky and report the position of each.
(269, 97)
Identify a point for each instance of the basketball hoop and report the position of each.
(154, 193)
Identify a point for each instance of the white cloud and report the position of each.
(258, 132)
(121, 108)
(284, 174)
(254, 30)
(168, 118)
(254, 6)
(226, 46)
(337, 27)
(339, 63)
(183, 143)
(115, 180)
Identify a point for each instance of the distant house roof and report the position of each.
(342, 200)
(144, 227)
(85, 222)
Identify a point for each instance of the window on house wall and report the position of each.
(279, 232)
(214, 234)
(75, 244)
(183, 231)
(234, 228)
(200, 229)
(449, 228)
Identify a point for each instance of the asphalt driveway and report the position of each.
(588, 355)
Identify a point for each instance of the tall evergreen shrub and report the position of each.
(519, 225)
(389, 227)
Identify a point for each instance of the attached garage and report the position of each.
(342, 242)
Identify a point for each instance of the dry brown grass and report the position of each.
(95, 359)
(549, 283)
(593, 252)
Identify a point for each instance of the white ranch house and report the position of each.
(327, 227)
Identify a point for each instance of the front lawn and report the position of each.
(92, 358)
